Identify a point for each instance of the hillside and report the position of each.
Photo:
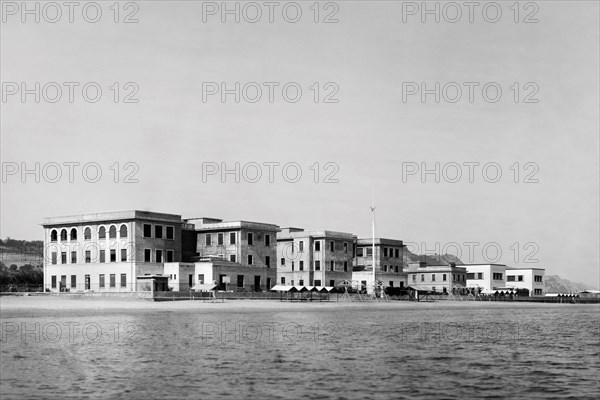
(556, 284)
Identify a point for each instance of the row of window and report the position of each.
(455, 277)
(158, 256)
(159, 232)
(208, 237)
(317, 282)
(368, 252)
(497, 276)
(519, 278)
(87, 233)
(101, 281)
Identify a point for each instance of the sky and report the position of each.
(368, 134)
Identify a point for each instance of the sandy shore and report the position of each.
(11, 306)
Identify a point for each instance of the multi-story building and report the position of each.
(234, 254)
(436, 278)
(487, 277)
(106, 251)
(531, 279)
(314, 258)
(389, 269)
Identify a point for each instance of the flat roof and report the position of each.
(315, 234)
(111, 216)
(235, 225)
(384, 241)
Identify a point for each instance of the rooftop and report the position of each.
(111, 216)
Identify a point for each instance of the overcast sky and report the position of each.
(370, 57)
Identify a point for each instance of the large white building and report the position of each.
(531, 279)
(487, 277)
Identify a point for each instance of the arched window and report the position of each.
(102, 233)
(73, 234)
(87, 234)
(63, 235)
(53, 235)
(112, 232)
(123, 231)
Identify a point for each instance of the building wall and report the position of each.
(432, 277)
(487, 272)
(214, 272)
(528, 282)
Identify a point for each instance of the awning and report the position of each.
(204, 287)
(301, 288)
(284, 288)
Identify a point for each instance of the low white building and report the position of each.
(531, 279)
(488, 277)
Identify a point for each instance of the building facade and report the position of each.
(389, 268)
(436, 278)
(314, 258)
(487, 277)
(532, 279)
(105, 252)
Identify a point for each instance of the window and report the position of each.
(250, 239)
(359, 252)
(123, 255)
(268, 261)
(267, 240)
(232, 258)
(332, 283)
(170, 255)
(54, 257)
(102, 280)
(470, 275)
(301, 245)
(537, 278)
(331, 246)
(208, 239)
(63, 235)
(283, 261)
(102, 256)
(147, 230)
(123, 280)
(444, 277)
(422, 278)
(102, 233)
(53, 281)
(147, 255)
(345, 266)
(317, 265)
(158, 231)
(88, 256)
(123, 231)
(292, 247)
(53, 236)
(432, 277)
(63, 257)
(318, 245)
(397, 253)
(292, 265)
(510, 278)
(397, 269)
(249, 259)
(317, 282)
(480, 275)
(497, 276)
(112, 232)
(369, 251)
(520, 278)
(232, 238)
(73, 234)
(301, 282)
(113, 280)
(219, 238)
(384, 267)
(301, 266)
(385, 252)
(159, 256)
(345, 247)
(537, 292)
(73, 257)
(391, 284)
(87, 234)
(113, 255)
(414, 278)
(283, 280)
(170, 233)
(240, 281)
(331, 265)
(201, 279)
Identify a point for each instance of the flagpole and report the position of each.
(373, 245)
